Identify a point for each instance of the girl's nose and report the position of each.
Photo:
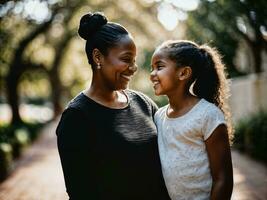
(153, 73)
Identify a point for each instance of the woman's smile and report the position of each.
(126, 77)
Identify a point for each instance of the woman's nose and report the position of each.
(133, 67)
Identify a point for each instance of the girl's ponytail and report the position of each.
(211, 83)
(207, 79)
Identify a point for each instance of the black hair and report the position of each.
(99, 33)
(208, 75)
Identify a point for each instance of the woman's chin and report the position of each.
(157, 93)
(122, 87)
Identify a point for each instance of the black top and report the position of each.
(110, 153)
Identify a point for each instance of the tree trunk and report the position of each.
(17, 68)
(54, 73)
(256, 51)
(12, 95)
(55, 93)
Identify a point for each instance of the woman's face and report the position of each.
(163, 73)
(119, 65)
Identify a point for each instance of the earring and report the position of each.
(98, 66)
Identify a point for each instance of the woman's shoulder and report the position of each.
(142, 100)
(138, 94)
(77, 102)
(133, 94)
(75, 108)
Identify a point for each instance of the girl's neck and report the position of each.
(179, 104)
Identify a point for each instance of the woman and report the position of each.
(106, 136)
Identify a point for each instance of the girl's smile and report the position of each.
(164, 73)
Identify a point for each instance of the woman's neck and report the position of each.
(107, 97)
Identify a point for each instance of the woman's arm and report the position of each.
(72, 147)
(219, 154)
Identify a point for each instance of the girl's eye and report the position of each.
(159, 67)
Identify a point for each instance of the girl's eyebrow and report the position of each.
(156, 63)
(159, 62)
(127, 54)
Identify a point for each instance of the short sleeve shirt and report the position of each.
(182, 150)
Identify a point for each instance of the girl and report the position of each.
(194, 128)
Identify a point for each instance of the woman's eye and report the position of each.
(159, 67)
(127, 60)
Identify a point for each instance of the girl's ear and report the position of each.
(184, 73)
(97, 56)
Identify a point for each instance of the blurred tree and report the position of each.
(19, 32)
(18, 64)
(2, 2)
(225, 23)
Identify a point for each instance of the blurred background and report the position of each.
(43, 65)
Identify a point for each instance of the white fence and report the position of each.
(248, 95)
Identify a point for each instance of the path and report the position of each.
(38, 175)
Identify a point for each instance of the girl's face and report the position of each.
(164, 74)
(119, 65)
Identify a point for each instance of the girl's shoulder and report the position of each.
(161, 112)
(212, 118)
(210, 109)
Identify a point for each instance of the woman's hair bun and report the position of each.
(90, 23)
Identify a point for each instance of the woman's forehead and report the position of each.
(124, 46)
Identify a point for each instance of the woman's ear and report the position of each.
(184, 73)
(97, 56)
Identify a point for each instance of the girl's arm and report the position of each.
(219, 154)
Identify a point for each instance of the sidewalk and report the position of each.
(38, 175)
(250, 178)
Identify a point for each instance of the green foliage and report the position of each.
(20, 141)
(251, 135)
(5, 160)
(49, 45)
(147, 60)
(205, 26)
(5, 133)
(225, 23)
(13, 140)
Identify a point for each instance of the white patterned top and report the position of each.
(183, 155)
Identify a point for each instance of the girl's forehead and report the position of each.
(160, 54)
